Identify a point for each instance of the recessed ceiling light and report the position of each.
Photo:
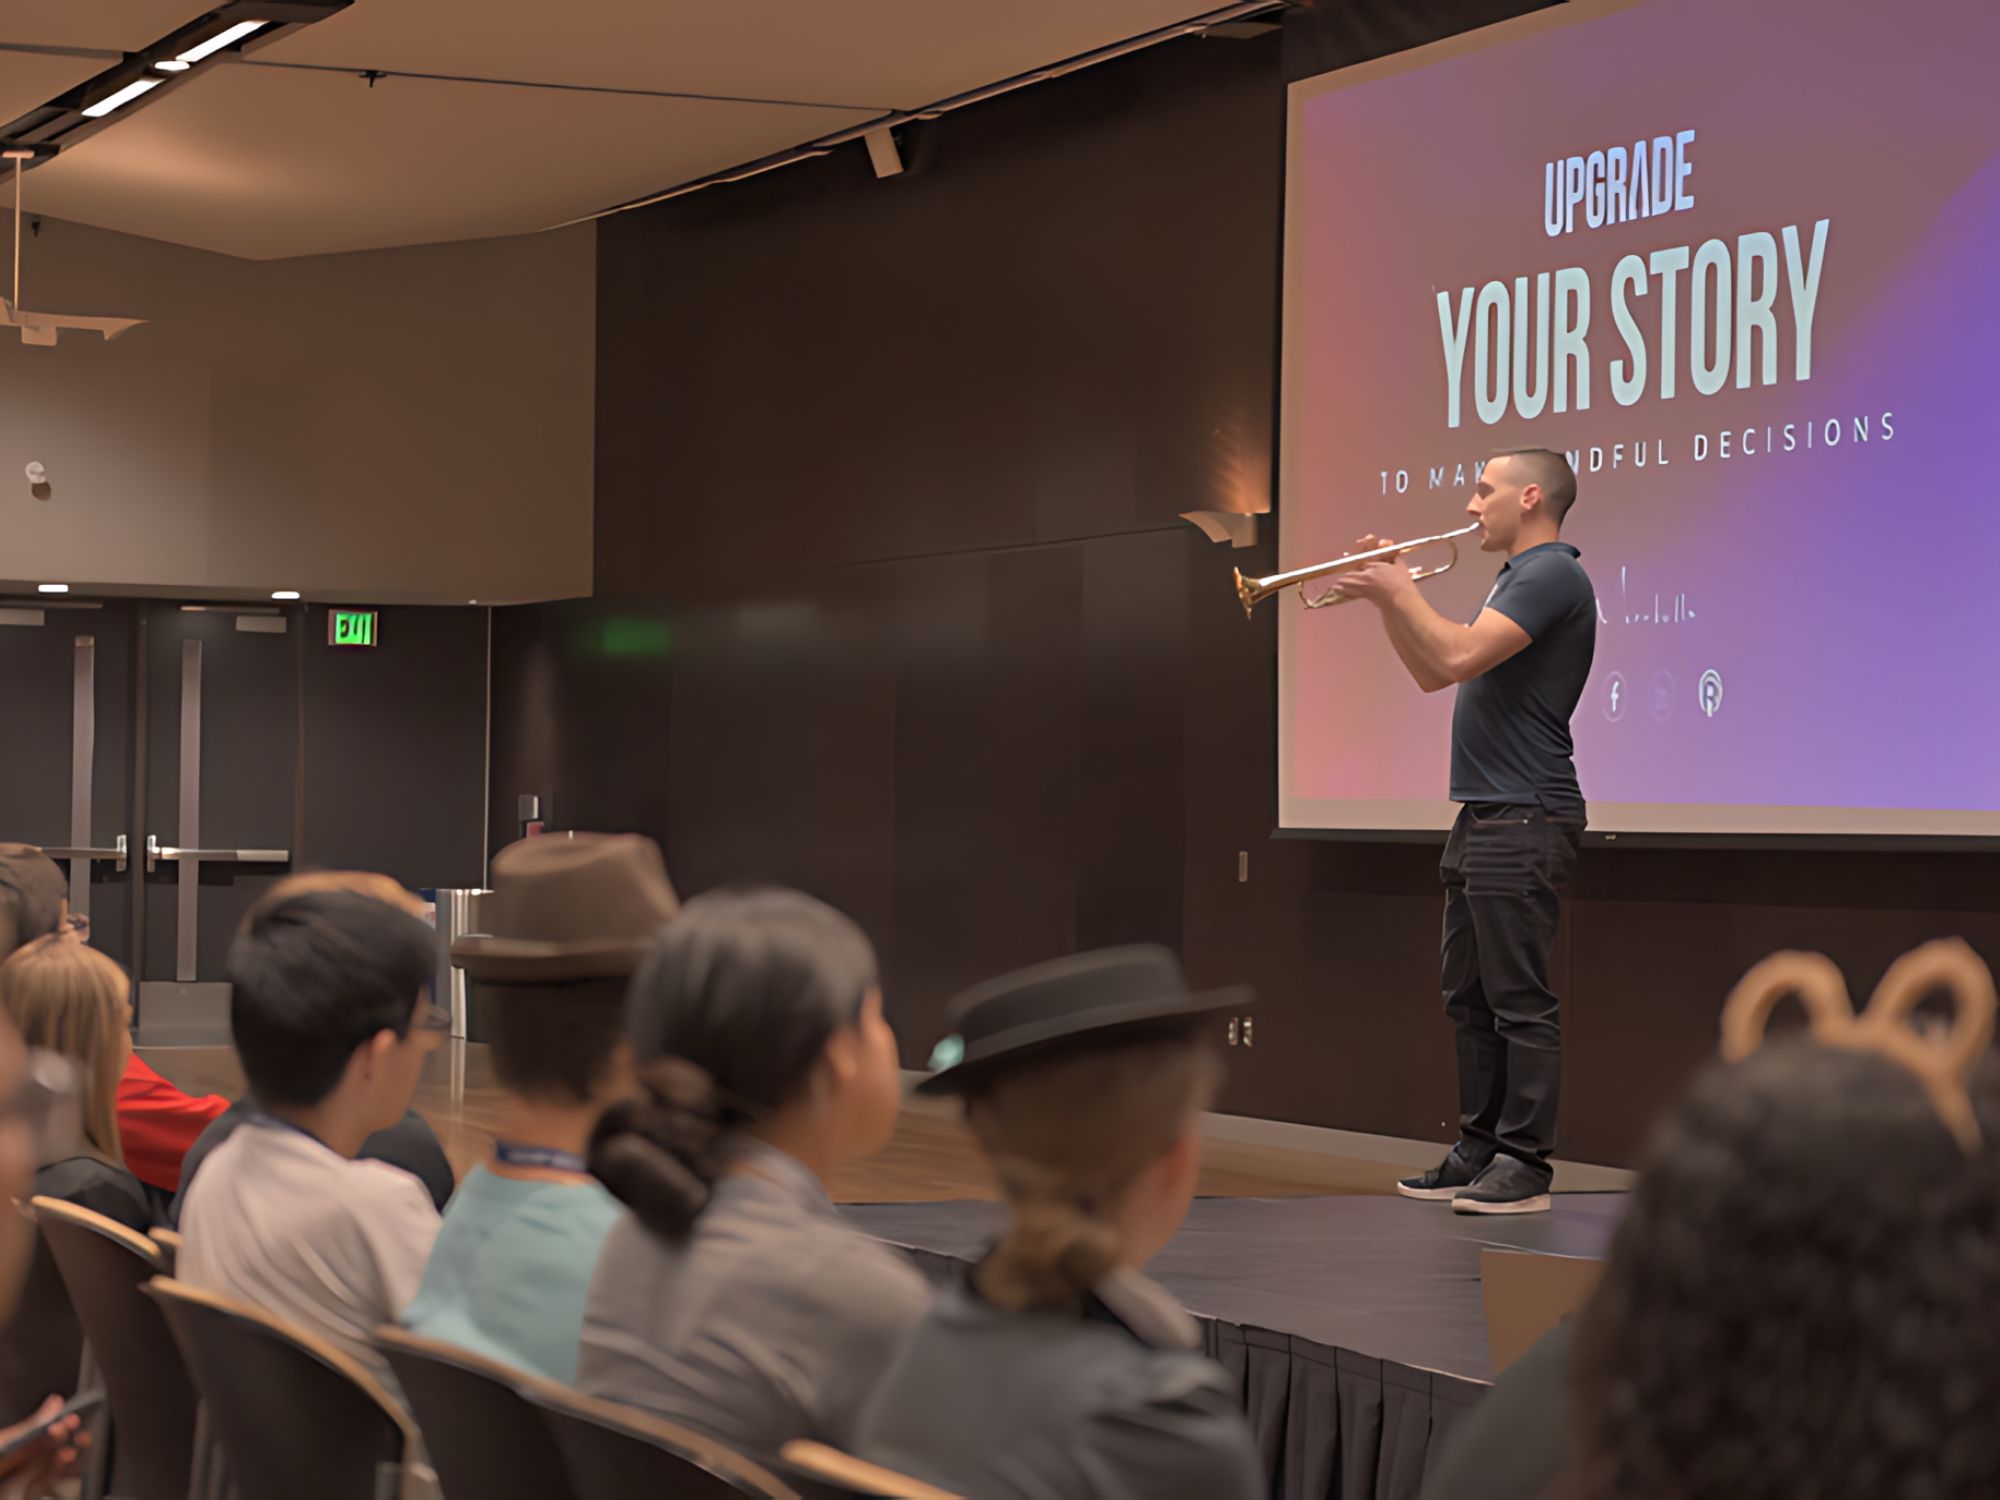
(173, 65)
(125, 95)
(52, 588)
(285, 594)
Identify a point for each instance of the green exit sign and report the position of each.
(350, 627)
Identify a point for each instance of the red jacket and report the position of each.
(157, 1123)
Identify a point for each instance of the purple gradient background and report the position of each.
(1850, 597)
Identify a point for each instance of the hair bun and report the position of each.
(661, 1189)
(680, 1087)
(659, 1151)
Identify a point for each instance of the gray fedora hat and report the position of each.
(1103, 996)
(569, 906)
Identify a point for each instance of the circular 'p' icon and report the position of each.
(1711, 692)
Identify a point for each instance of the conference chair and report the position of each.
(169, 1241)
(154, 1408)
(41, 1351)
(481, 1434)
(818, 1472)
(615, 1453)
(296, 1418)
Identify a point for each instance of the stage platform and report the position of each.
(1355, 1323)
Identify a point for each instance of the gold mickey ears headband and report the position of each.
(1942, 1065)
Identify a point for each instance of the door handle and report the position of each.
(119, 852)
(156, 851)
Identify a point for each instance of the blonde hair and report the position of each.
(1067, 1136)
(65, 996)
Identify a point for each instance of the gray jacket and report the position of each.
(1114, 1404)
(771, 1322)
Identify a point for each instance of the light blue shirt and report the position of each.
(511, 1270)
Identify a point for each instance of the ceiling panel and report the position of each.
(115, 25)
(873, 54)
(30, 79)
(264, 163)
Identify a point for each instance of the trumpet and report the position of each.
(1251, 590)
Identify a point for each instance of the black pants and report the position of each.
(1504, 871)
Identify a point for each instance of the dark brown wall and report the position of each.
(394, 747)
(894, 604)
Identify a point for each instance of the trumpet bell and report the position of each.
(1247, 591)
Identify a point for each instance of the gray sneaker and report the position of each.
(1508, 1185)
(1442, 1182)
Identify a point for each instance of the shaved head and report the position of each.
(1547, 469)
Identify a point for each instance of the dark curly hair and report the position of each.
(1804, 1299)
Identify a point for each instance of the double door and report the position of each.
(153, 750)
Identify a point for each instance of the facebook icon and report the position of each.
(1614, 697)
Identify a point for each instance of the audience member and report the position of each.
(410, 1143)
(70, 999)
(1057, 1368)
(1800, 1300)
(568, 921)
(38, 1467)
(32, 884)
(332, 1018)
(159, 1122)
(1511, 1447)
(733, 1298)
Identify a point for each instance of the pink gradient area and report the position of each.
(1843, 594)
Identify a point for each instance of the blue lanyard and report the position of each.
(546, 1158)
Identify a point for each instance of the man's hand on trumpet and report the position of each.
(1378, 582)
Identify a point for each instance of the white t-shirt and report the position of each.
(335, 1246)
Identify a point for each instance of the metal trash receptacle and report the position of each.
(456, 912)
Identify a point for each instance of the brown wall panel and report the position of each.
(895, 466)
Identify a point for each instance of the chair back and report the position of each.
(169, 1241)
(41, 1351)
(297, 1419)
(818, 1472)
(480, 1433)
(153, 1402)
(615, 1453)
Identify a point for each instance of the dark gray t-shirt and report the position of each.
(1510, 739)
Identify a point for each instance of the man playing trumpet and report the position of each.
(1520, 668)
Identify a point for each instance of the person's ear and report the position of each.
(842, 1057)
(375, 1051)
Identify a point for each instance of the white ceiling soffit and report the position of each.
(534, 114)
(107, 25)
(29, 80)
(263, 163)
(873, 54)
